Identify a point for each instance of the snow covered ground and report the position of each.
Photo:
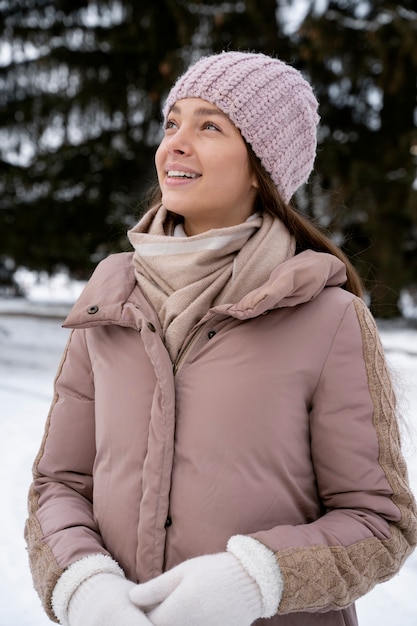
(30, 349)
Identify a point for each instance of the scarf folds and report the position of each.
(184, 276)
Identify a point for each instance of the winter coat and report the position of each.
(277, 421)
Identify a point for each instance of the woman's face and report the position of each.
(203, 168)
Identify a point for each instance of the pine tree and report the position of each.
(81, 86)
(80, 100)
(362, 58)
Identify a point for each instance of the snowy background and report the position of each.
(31, 344)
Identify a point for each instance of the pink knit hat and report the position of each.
(269, 101)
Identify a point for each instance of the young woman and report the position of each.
(222, 445)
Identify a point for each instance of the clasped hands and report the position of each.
(211, 590)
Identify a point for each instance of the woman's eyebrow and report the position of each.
(208, 111)
(201, 111)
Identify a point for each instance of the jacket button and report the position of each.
(168, 522)
(151, 327)
(92, 309)
(211, 334)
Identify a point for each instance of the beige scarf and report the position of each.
(184, 276)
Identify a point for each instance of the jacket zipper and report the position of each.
(183, 353)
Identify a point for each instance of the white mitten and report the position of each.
(103, 600)
(206, 590)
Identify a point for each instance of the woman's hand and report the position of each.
(103, 600)
(207, 590)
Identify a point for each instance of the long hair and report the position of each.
(306, 234)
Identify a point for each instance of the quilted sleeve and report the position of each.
(369, 522)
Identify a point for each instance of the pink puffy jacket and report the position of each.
(278, 421)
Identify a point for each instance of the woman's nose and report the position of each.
(179, 143)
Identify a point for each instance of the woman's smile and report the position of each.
(203, 168)
(176, 173)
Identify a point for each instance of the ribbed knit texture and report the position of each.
(270, 102)
(184, 276)
(210, 590)
(103, 600)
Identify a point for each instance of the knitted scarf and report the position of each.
(184, 276)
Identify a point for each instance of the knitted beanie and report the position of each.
(271, 104)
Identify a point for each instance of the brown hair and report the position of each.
(306, 234)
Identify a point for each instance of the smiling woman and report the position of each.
(223, 445)
(203, 168)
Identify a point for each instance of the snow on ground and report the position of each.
(31, 344)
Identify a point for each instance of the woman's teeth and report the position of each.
(178, 174)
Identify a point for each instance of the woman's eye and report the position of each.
(170, 124)
(211, 126)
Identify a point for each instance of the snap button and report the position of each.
(211, 334)
(151, 327)
(168, 522)
(92, 309)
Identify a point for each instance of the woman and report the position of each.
(222, 446)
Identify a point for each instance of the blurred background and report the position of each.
(81, 88)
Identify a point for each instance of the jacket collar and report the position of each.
(298, 280)
(112, 295)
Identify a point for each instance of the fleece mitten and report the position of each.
(94, 592)
(206, 590)
(103, 600)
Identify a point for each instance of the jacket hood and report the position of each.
(112, 294)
